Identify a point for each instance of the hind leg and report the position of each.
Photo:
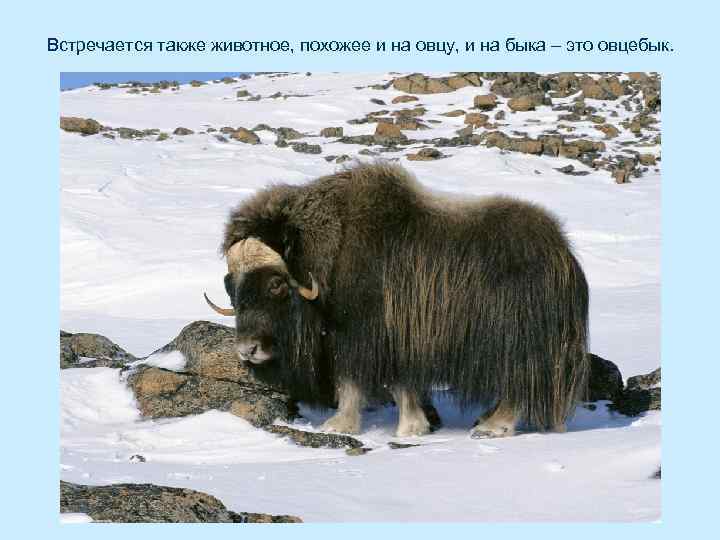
(349, 414)
(500, 421)
(412, 416)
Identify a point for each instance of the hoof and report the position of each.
(414, 429)
(341, 424)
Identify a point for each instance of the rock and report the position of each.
(162, 137)
(129, 133)
(183, 131)
(306, 148)
(91, 350)
(410, 113)
(85, 126)
(288, 133)
(453, 113)
(647, 159)
(515, 84)
(426, 154)
(525, 103)
(409, 123)
(642, 393)
(164, 393)
(399, 446)
(377, 101)
(149, 503)
(242, 93)
(195, 84)
(331, 132)
(417, 83)
(485, 102)
(605, 382)
(464, 132)
(315, 440)
(244, 135)
(476, 119)
(605, 88)
(404, 99)
(500, 115)
(387, 133)
(609, 130)
(645, 382)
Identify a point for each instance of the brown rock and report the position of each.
(609, 130)
(245, 136)
(453, 113)
(404, 99)
(426, 154)
(156, 381)
(647, 159)
(476, 119)
(385, 132)
(331, 132)
(524, 103)
(85, 126)
(485, 102)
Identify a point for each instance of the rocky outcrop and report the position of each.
(91, 350)
(642, 393)
(606, 382)
(426, 154)
(213, 378)
(149, 503)
(417, 83)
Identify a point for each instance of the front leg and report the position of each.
(348, 416)
(412, 416)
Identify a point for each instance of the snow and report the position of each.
(141, 222)
(74, 518)
(172, 360)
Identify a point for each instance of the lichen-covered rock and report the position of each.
(149, 503)
(305, 148)
(642, 393)
(91, 350)
(164, 393)
(315, 440)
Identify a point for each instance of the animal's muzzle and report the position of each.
(252, 350)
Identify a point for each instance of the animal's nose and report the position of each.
(247, 349)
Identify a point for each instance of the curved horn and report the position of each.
(309, 294)
(229, 312)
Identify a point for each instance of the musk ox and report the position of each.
(363, 282)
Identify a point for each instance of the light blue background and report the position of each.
(30, 201)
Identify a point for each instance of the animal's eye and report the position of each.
(277, 286)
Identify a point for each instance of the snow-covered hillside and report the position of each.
(141, 222)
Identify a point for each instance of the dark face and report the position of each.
(261, 299)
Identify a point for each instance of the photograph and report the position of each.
(379, 297)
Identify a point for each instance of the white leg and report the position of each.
(412, 417)
(348, 416)
(498, 422)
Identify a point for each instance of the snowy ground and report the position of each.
(141, 222)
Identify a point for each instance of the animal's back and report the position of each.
(483, 295)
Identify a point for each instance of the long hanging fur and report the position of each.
(483, 295)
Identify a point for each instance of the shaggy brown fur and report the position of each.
(485, 296)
